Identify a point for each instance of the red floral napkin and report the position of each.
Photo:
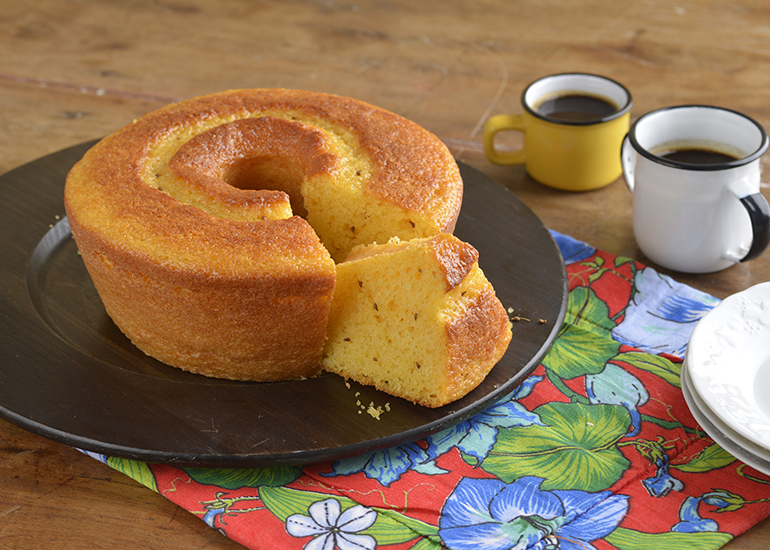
(597, 449)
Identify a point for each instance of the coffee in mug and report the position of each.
(575, 107)
(697, 152)
(695, 176)
(573, 125)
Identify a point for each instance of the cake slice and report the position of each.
(416, 319)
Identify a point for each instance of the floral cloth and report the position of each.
(596, 450)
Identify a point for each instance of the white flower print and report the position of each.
(330, 529)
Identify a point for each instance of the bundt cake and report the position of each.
(415, 319)
(210, 227)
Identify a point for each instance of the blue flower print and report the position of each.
(661, 314)
(387, 466)
(477, 435)
(488, 514)
(211, 516)
(98, 456)
(331, 529)
(690, 518)
(474, 437)
(616, 386)
(572, 250)
(662, 483)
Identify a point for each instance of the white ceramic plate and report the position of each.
(741, 448)
(728, 361)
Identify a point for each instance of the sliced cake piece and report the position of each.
(416, 319)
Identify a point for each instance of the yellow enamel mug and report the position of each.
(573, 126)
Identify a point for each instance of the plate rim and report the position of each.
(716, 432)
(715, 323)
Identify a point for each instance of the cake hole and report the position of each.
(270, 173)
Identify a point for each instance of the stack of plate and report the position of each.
(726, 375)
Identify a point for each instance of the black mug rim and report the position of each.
(612, 116)
(748, 159)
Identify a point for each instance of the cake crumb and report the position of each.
(373, 411)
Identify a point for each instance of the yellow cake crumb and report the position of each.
(373, 411)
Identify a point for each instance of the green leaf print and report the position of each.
(654, 364)
(391, 527)
(712, 457)
(623, 260)
(628, 539)
(136, 470)
(584, 343)
(576, 449)
(428, 544)
(381, 528)
(237, 478)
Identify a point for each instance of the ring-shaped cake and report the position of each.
(211, 227)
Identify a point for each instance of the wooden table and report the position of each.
(74, 71)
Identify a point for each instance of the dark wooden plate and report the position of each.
(70, 375)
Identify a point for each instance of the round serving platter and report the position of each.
(70, 375)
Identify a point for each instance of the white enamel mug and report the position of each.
(697, 218)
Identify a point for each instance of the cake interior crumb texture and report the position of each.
(416, 319)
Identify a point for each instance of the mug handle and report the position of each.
(759, 213)
(628, 162)
(496, 124)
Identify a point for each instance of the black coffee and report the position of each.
(698, 155)
(576, 107)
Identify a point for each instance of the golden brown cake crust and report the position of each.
(487, 326)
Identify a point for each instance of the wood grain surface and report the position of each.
(72, 71)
